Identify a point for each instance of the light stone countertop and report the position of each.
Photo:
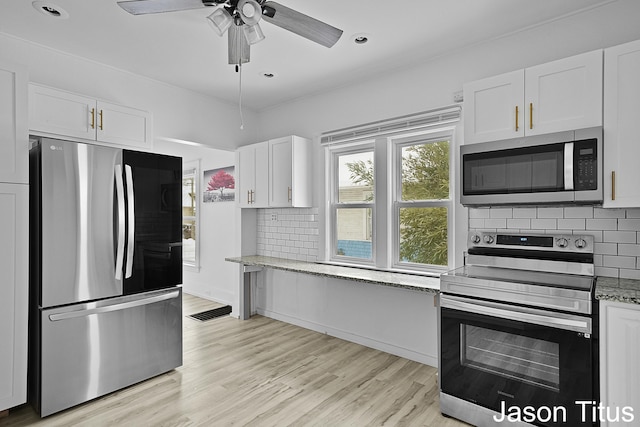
(620, 290)
(413, 282)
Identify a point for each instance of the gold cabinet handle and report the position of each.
(531, 115)
(101, 127)
(289, 194)
(517, 127)
(613, 185)
(93, 118)
(253, 199)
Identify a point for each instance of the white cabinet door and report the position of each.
(493, 108)
(290, 172)
(246, 175)
(619, 349)
(557, 96)
(123, 125)
(57, 112)
(14, 137)
(281, 169)
(14, 263)
(621, 136)
(253, 175)
(61, 113)
(564, 94)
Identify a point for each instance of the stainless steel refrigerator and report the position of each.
(106, 270)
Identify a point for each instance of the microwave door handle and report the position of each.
(131, 220)
(121, 221)
(568, 166)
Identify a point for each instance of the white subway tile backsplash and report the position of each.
(602, 224)
(544, 224)
(500, 213)
(619, 261)
(571, 224)
(550, 212)
(616, 232)
(289, 236)
(578, 212)
(524, 213)
(608, 213)
(629, 224)
(620, 236)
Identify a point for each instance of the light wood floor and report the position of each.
(262, 372)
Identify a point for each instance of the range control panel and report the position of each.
(543, 242)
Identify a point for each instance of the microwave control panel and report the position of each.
(585, 157)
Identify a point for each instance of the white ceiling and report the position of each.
(181, 49)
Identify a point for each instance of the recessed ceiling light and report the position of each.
(50, 9)
(360, 38)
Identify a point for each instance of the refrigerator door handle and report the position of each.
(114, 307)
(121, 221)
(131, 221)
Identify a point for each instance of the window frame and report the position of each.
(187, 167)
(396, 203)
(387, 199)
(335, 204)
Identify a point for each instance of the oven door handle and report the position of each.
(518, 314)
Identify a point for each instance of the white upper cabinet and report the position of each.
(14, 137)
(552, 97)
(253, 175)
(621, 136)
(275, 173)
(57, 112)
(290, 175)
(493, 108)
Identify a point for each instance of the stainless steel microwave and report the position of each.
(563, 167)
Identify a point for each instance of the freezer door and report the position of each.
(82, 217)
(153, 185)
(89, 350)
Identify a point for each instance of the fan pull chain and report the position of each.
(240, 95)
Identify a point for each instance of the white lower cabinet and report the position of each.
(619, 364)
(57, 112)
(14, 287)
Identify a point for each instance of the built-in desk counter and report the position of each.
(254, 263)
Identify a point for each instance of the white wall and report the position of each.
(219, 223)
(406, 91)
(177, 113)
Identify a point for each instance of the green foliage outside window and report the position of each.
(425, 177)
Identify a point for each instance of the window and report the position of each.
(390, 198)
(422, 202)
(353, 202)
(190, 212)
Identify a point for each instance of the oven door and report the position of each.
(506, 358)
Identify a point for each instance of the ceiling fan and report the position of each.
(240, 19)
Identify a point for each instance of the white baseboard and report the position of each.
(431, 360)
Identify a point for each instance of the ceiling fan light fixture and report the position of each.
(220, 20)
(250, 11)
(253, 33)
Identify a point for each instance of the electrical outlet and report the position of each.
(274, 217)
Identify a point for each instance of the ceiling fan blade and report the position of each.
(143, 7)
(301, 24)
(238, 46)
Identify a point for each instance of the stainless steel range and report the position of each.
(518, 330)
